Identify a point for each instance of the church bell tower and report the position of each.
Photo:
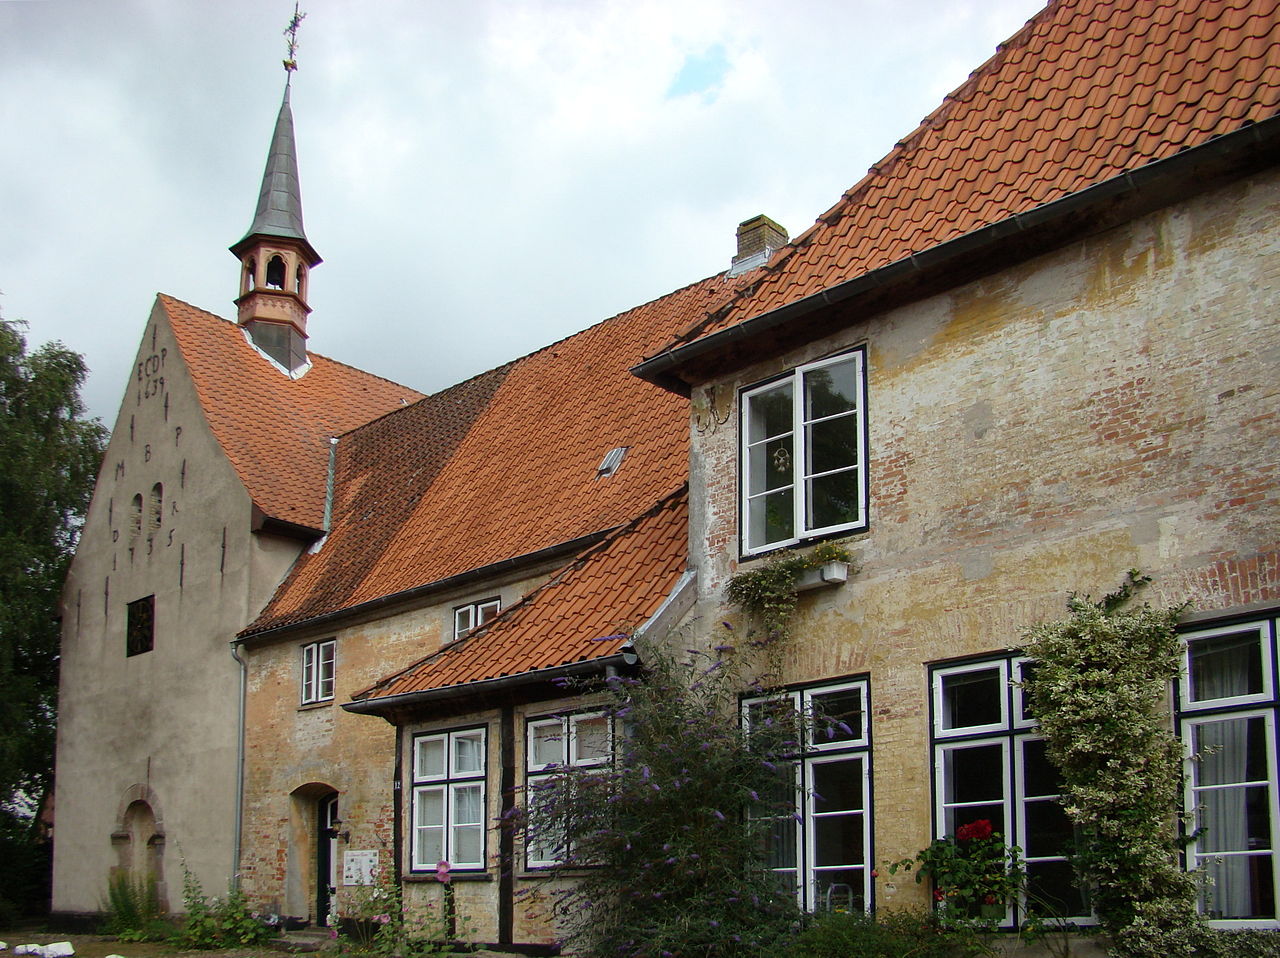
(275, 256)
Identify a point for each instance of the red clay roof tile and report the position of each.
(1087, 90)
(501, 466)
(587, 611)
(275, 430)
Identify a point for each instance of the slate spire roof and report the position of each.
(279, 211)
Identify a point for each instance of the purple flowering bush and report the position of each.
(667, 845)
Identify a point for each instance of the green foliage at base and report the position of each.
(892, 934)
(218, 922)
(375, 923)
(133, 909)
(1099, 692)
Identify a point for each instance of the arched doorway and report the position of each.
(327, 822)
(138, 840)
(314, 862)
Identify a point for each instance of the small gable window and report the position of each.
(467, 618)
(135, 517)
(155, 509)
(140, 630)
(318, 659)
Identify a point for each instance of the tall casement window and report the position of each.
(318, 660)
(448, 795)
(804, 453)
(473, 615)
(822, 849)
(554, 744)
(1227, 710)
(140, 626)
(990, 764)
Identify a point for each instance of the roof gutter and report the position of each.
(390, 703)
(1250, 148)
(431, 588)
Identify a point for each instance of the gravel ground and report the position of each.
(98, 946)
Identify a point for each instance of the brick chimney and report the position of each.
(758, 239)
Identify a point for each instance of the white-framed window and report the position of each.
(473, 615)
(818, 836)
(989, 764)
(318, 660)
(448, 800)
(804, 454)
(581, 740)
(1227, 713)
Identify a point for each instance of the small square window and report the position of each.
(140, 626)
(467, 618)
(318, 660)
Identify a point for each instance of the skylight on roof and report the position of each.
(611, 461)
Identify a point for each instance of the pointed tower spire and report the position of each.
(275, 255)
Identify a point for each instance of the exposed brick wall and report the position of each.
(1112, 405)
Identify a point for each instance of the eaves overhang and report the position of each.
(387, 704)
(1012, 240)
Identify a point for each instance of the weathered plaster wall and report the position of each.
(159, 727)
(1108, 406)
(297, 753)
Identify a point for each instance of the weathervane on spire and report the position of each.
(291, 61)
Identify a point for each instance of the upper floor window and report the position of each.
(473, 615)
(1227, 718)
(804, 454)
(318, 660)
(448, 796)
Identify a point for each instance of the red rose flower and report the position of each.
(979, 829)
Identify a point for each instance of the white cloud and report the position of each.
(481, 178)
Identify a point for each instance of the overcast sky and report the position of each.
(482, 178)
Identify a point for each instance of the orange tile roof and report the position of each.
(1087, 90)
(275, 430)
(586, 612)
(501, 466)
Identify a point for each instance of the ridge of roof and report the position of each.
(586, 611)
(274, 429)
(1085, 90)
(499, 467)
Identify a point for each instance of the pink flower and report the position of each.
(382, 919)
(442, 872)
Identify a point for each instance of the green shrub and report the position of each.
(133, 908)
(1246, 943)
(217, 923)
(667, 846)
(890, 934)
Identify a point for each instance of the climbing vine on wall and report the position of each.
(1100, 691)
